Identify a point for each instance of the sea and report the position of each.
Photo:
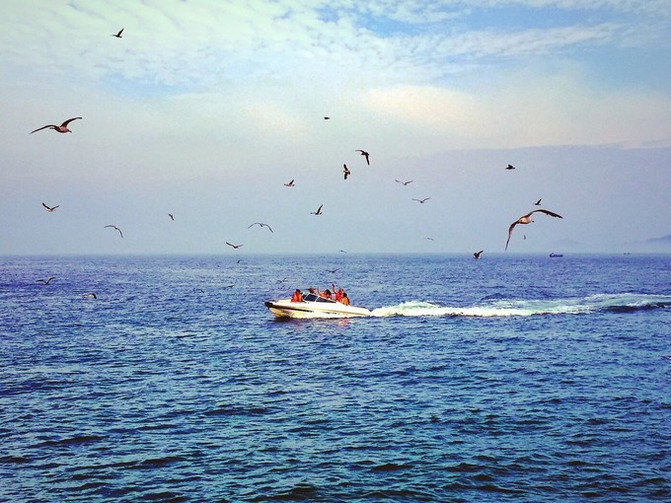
(509, 378)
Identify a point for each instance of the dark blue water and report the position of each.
(504, 379)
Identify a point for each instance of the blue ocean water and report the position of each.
(509, 378)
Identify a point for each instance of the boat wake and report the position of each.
(618, 303)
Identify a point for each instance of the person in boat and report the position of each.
(344, 299)
(338, 292)
(297, 296)
(325, 294)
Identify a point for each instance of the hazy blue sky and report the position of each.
(204, 109)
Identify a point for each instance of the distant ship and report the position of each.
(556, 255)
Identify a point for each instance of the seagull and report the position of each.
(46, 281)
(50, 208)
(232, 245)
(115, 227)
(526, 219)
(63, 128)
(346, 171)
(477, 254)
(510, 166)
(429, 238)
(290, 183)
(117, 35)
(403, 183)
(326, 117)
(538, 203)
(365, 154)
(91, 295)
(261, 225)
(421, 201)
(332, 271)
(319, 210)
(172, 217)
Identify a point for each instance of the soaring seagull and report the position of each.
(115, 227)
(510, 166)
(63, 128)
(526, 219)
(319, 210)
(46, 281)
(172, 217)
(261, 225)
(117, 35)
(476, 255)
(538, 203)
(421, 201)
(346, 171)
(290, 183)
(50, 208)
(233, 246)
(365, 154)
(402, 182)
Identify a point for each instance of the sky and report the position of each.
(205, 109)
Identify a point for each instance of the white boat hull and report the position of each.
(323, 309)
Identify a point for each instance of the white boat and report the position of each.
(314, 306)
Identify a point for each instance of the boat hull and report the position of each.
(288, 309)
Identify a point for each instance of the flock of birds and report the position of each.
(523, 220)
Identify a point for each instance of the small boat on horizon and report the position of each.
(313, 306)
(556, 255)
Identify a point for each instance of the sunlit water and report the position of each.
(503, 379)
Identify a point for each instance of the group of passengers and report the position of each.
(338, 294)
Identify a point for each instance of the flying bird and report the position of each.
(326, 117)
(538, 203)
(346, 171)
(290, 183)
(421, 201)
(510, 166)
(365, 154)
(319, 210)
(402, 182)
(261, 225)
(232, 245)
(115, 227)
(477, 254)
(172, 217)
(63, 128)
(90, 295)
(117, 35)
(50, 208)
(526, 219)
(46, 281)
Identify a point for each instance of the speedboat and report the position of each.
(313, 306)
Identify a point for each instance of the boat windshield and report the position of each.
(311, 297)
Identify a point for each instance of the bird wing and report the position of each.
(47, 207)
(43, 127)
(510, 231)
(548, 212)
(120, 32)
(69, 121)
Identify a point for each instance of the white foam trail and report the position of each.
(506, 308)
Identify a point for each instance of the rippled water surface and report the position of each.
(503, 379)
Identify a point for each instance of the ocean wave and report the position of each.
(617, 303)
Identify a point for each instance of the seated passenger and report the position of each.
(325, 294)
(297, 296)
(345, 299)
